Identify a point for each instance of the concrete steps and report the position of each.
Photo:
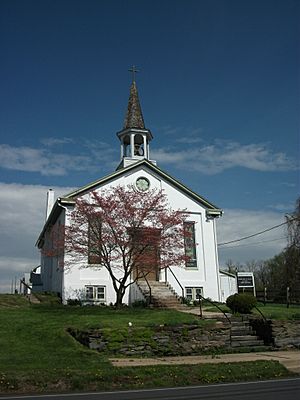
(242, 335)
(162, 295)
(33, 299)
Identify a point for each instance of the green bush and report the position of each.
(51, 298)
(241, 303)
(74, 302)
(139, 304)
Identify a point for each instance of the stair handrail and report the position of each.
(216, 305)
(138, 286)
(264, 318)
(150, 291)
(25, 284)
(28, 287)
(182, 288)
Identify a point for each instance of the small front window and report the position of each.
(89, 294)
(193, 293)
(189, 293)
(95, 293)
(100, 295)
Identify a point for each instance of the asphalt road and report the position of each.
(284, 389)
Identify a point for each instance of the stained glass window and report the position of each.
(190, 244)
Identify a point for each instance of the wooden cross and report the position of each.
(133, 70)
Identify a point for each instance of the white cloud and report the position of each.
(283, 207)
(169, 130)
(236, 224)
(220, 156)
(22, 216)
(39, 160)
(206, 159)
(189, 140)
(288, 184)
(47, 162)
(53, 141)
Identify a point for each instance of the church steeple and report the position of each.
(134, 117)
(134, 137)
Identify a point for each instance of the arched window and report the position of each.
(139, 145)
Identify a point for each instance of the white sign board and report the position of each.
(246, 280)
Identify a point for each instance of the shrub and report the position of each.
(263, 330)
(51, 298)
(241, 303)
(139, 304)
(74, 302)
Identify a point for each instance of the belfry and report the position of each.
(134, 137)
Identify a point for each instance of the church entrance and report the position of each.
(146, 249)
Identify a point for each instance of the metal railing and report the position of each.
(150, 291)
(257, 309)
(214, 304)
(176, 279)
(22, 282)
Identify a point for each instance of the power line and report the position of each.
(254, 234)
(252, 244)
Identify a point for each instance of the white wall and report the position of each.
(228, 286)
(52, 267)
(206, 275)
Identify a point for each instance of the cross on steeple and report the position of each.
(133, 70)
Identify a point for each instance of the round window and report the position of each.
(142, 184)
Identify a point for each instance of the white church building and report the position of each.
(200, 275)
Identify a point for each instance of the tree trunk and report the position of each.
(120, 294)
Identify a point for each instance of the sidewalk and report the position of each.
(205, 314)
(290, 359)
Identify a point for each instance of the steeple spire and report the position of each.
(134, 137)
(134, 117)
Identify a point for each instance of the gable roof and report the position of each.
(69, 199)
(199, 199)
(227, 273)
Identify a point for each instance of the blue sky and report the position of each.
(219, 88)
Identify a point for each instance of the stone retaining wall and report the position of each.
(286, 334)
(160, 341)
(177, 340)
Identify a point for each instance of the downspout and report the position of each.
(217, 260)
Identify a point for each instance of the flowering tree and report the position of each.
(131, 233)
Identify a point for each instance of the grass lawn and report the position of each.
(280, 311)
(270, 311)
(38, 355)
